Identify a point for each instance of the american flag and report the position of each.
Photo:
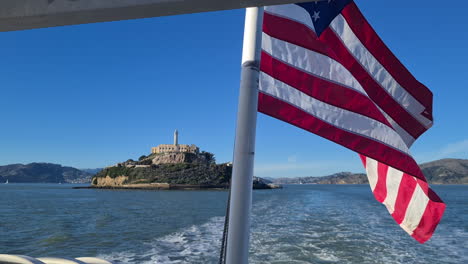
(324, 69)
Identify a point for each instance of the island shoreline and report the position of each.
(174, 187)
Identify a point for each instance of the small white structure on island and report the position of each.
(176, 147)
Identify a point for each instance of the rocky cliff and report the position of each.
(174, 158)
(170, 171)
(170, 168)
(180, 173)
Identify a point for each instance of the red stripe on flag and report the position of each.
(363, 159)
(380, 190)
(405, 193)
(295, 33)
(369, 38)
(428, 191)
(433, 211)
(281, 110)
(373, 89)
(320, 89)
(429, 221)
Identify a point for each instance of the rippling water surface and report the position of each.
(297, 224)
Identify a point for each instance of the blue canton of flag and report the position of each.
(323, 12)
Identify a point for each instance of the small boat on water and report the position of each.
(6, 181)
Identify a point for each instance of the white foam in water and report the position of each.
(290, 232)
(119, 257)
(196, 244)
(326, 256)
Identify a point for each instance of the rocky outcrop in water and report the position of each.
(170, 171)
(175, 170)
(171, 176)
(179, 173)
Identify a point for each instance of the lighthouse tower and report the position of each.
(176, 138)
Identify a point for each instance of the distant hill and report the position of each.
(445, 171)
(42, 173)
(337, 178)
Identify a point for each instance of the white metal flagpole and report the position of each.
(244, 147)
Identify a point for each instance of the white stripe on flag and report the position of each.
(292, 12)
(377, 71)
(338, 117)
(405, 136)
(311, 62)
(394, 177)
(415, 210)
(372, 173)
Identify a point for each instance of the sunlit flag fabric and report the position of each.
(325, 70)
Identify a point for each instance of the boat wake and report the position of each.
(196, 244)
(305, 229)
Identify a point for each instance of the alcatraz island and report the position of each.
(171, 166)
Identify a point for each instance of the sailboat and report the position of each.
(6, 181)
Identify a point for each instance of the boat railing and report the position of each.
(20, 259)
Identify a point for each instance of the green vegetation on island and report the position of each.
(171, 170)
(178, 173)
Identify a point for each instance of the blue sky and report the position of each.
(92, 95)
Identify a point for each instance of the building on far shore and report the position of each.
(176, 147)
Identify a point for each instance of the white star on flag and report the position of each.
(316, 15)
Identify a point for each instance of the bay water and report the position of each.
(296, 224)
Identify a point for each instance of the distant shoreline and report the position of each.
(157, 187)
(164, 186)
(362, 183)
(182, 186)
